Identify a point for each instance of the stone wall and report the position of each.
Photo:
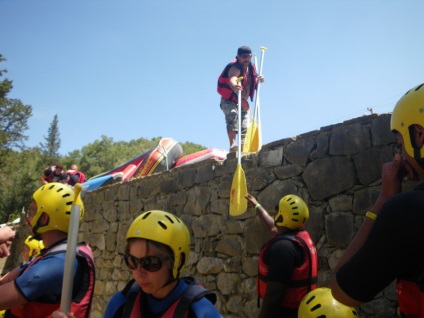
(335, 169)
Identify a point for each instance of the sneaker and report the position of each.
(233, 149)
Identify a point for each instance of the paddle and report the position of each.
(253, 141)
(71, 250)
(238, 202)
(249, 132)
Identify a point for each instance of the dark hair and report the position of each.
(244, 50)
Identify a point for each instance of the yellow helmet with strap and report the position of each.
(165, 228)
(292, 212)
(55, 199)
(408, 111)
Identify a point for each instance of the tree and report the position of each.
(14, 117)
(5, 85)
(19, 178)
(51, 147)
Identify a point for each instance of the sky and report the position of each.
(133, 69)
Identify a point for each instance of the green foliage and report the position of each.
(5, 85)
(19, 178)
(13, 122)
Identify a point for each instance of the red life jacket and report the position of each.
(224, 88)
(410, 299)
(81, 176)
(81, 302)
(304, 277)
(179, 309)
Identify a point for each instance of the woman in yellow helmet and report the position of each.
(158, 245)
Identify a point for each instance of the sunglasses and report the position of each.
(244, 56)
(149, 263)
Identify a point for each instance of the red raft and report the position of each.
(205, 154)
(160, 158)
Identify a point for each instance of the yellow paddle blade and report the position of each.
(238, 202)
(251, 142)
(256, 142)
(248, 137)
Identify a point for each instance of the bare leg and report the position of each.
(232, 138)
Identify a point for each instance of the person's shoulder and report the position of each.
(203, 308)
(282, 242)
(114, 304)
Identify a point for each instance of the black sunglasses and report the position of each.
(243, 56)
(149, 263)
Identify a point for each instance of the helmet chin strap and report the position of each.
(170, 281)
(418, 158)
(418, 150)
(37, 235)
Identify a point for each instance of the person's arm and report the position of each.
(44, 175)
(261, 78)
(233, 74)
(10, 296)
(266, 220)
(43, 179)
(10, 276)
(341, 296)
(272, 301)
(391, 184)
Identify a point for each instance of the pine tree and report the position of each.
(51, 147)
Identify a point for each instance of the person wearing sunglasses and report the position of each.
(158, 245)
(228, 88)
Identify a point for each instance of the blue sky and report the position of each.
(131, 69)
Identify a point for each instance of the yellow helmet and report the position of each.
(321, 303)
(408, 111)
(165, 228)
(35, 246)
(292, 212)
(55, 199)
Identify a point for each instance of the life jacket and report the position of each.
(224, 88)
(81, 301)
(410, 298)
(81, 176)
(179, 309)
(52, 177)
(304, 277)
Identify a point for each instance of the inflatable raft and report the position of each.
(205, 154)
(160, 158)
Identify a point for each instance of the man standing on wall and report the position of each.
(228, 88)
